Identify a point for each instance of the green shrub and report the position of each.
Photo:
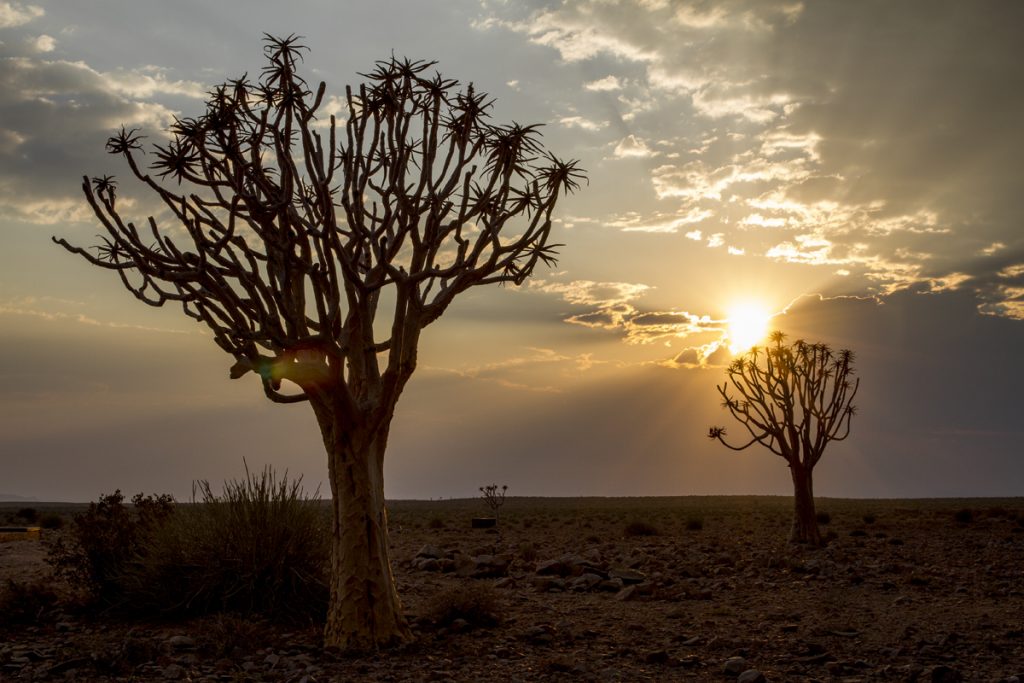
(105, 540)
(260, 546)
(639, 528)
(476, 603)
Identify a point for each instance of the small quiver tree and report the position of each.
(494, 497)
(291, 234)
(793, 399)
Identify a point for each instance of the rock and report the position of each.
(546, 583)
(430, 551)
(734, 666)
(610, 585)
(943, 674)
(429, 564)
(656, 657)
(172, 672)
(272, 660)
(181, 642)
(552, 568)
(627, 576)
(584, 582)
(751, 676)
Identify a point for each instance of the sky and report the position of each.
(851, 169)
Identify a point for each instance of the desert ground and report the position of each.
(616, 589)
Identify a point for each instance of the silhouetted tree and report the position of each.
(794, 400)
(293, 235)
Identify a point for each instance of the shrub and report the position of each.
(261, 546)
(27, 515)
(105, 540)
(527, 551)
(477, 603)
(869, 519)
(964, 516)
(435, 523)
(639, 528)
(823, 518)
(694, 524)
(23, 604)
(51, 521)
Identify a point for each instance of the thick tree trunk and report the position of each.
(364, 612)
(805, 520)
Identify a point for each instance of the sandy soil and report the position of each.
(902, 592)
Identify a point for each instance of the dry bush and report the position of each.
(476, 602)
(25, 604)
(694, 523)
(823, 518)
(639, 528)
(261, 546)
(104, 542)
(963, 516)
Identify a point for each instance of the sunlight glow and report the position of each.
(748, 325)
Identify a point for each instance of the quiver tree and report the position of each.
(294, 234)
(793, 399)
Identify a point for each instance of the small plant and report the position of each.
(493, 498)
(27, 515)
(964, 516)
(476, 603)
(639, 528)
(435, 523)
(51, 521)
(869, 519)
(694, 524)
(824, 518)
(24, 604)
(528, 551)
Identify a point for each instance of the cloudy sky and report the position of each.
(850, 168)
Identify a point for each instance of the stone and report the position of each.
(552, 568)
(584, 582)
(751, 676)
(430, 551)
(172, 672)
(181, 642)
(734, 666)
(272, 660)
(627, 576)
(943, 674)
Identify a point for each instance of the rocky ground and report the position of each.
(659, 589)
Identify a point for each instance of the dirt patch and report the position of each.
(903, 591)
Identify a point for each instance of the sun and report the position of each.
(748, 325)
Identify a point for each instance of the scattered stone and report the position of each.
(734, 666)
(751, 676)
(172, 672)
(943, 674)
(430, 551)
(181, 642)
(627, 576)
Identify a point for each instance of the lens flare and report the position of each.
(748, 326)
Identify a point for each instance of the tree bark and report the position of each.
(805, 520)
(364, 612)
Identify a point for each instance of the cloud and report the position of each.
(889, 161)
(604, 84)
(581, 122)
(632, 147)
(55, 116)
(16, 14)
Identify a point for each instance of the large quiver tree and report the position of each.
(793, 399)
(293, 232)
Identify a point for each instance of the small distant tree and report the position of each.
(494, 498)
(294, 234)
(793, 399)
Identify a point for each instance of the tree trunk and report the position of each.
(805, 520)
(364, 612)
